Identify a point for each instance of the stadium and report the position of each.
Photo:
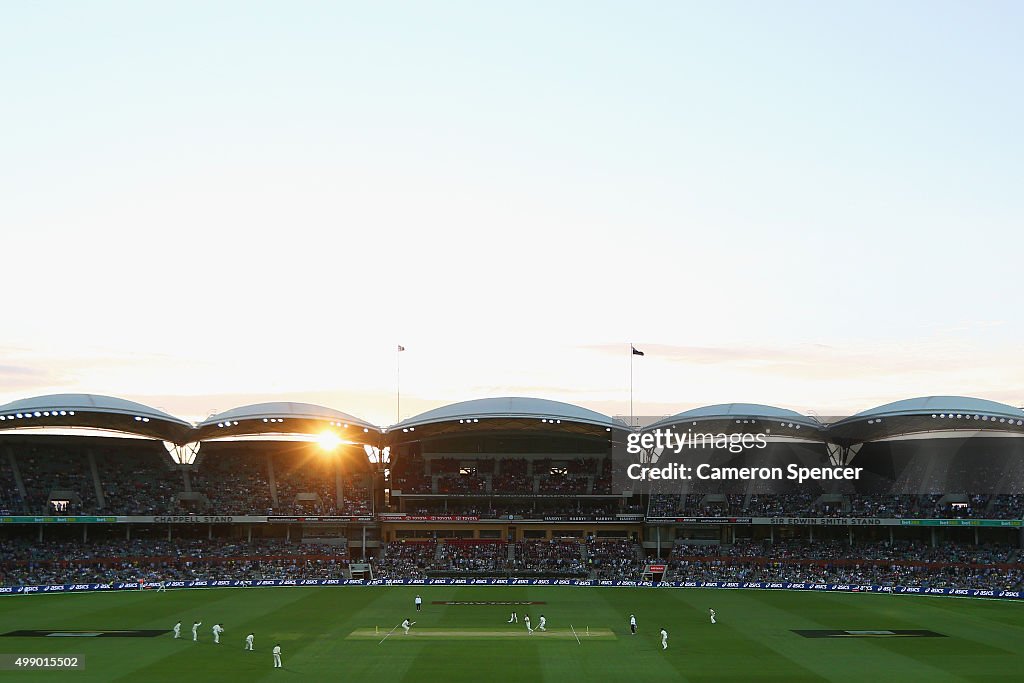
(315, 531)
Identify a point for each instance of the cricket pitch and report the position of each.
(468, 634)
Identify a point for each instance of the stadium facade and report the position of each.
(502, 486)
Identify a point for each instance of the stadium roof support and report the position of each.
(730, 418)
(505, 414)
(287, 418)
(93, 411)
(927, 414)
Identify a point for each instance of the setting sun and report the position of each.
(328, 441)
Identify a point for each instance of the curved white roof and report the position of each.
(725, 411)
(941, 404)
(93, 403)
(511, 407)
(282, 409)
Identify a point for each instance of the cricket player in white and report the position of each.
(217, 630)
(277, 656)
(162, 587)
(514, 618)
(177, 630)
(542, 622)
(632, 624)
(195, 630)
(664, 639)
(526, 620)
(406, 624)
(712, 612)
(419, 603)
(248, 642)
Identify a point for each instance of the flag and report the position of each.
(401, 348)
(635, 352)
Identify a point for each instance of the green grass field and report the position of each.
(330, 634)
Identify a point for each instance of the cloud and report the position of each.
(528, 390)
(19, 371)
(835, 378)
(851, 359)
(716, 355)
(15, 378)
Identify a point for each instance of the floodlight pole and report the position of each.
(398, 384)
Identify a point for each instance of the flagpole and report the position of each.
(398, 382)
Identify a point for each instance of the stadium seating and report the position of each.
(29, 563)
(405, 559)
(471, 557)
(109, 478)
(614, 559)
(555, 558)
(883, 564)
(924, 506)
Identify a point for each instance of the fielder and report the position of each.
(632, 624)
(514, 619)
(162, 588)
(712, 613)
(526, 620)
(277, 656)
(419, 603)
(543, 621)
(406, 624)
(664, 639)
(177, 630)
(195, 630)
(217, 630)
(248, 642)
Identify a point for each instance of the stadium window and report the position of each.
(619, 533)
(412, 533)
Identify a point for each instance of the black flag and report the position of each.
(635, 351)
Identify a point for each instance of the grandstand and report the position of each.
(99, 488)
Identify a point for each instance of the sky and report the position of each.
(811, 205)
